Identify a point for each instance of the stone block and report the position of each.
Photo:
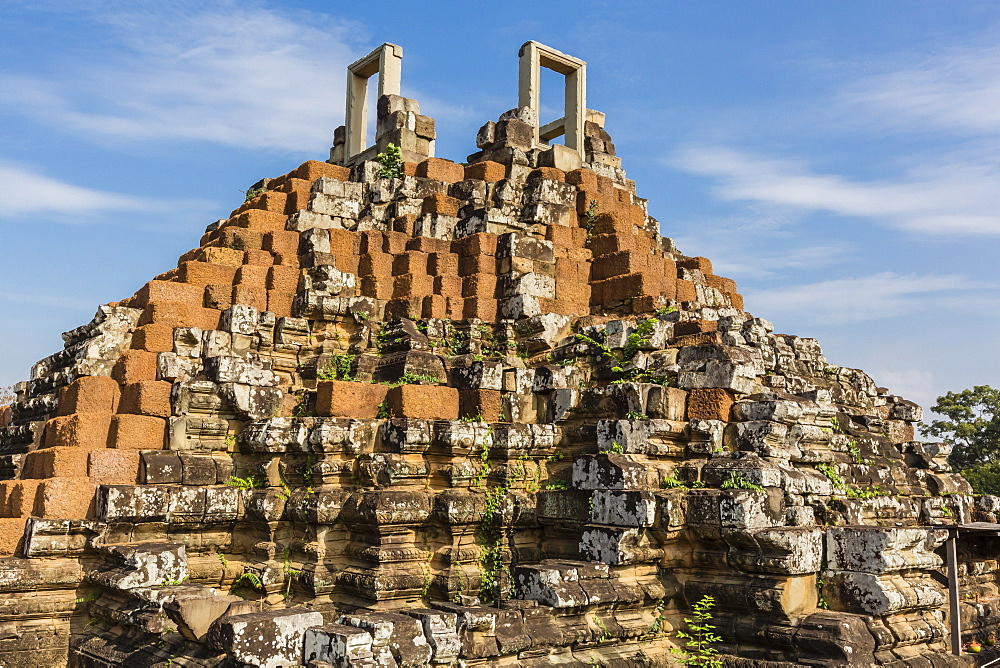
(481, 286)
(165, 291)
(252, 275)
(147, 397)
(487, 170)
(134, 366)
(11, 533)
(709, 404)
(261, 220)
(311, 170)
(429, 402)
(113, 467)
(55, 462)
(338, 398)
(434, 306)
(66, 498)
(161, 468)
(248, 295)
(412, 285)
(485, 404)
(685, 291)
(481, 243)
(283, 278)
(218, 296)
(472, 265)
(608, 471)
(195, 612)
(21, 497)
(82, 430)
(284, 241)
(441, 203)
(669, 403)
(338, 645)
(272, 639)
(205, 273)
(482, 309)
(702, 264)
(154, 338)
(89, 394)
(137, 432)
(448, 286)
(240, 238)
(261, 258)
(280, 303)
(410, 262)
(217, 255)
(440, 169)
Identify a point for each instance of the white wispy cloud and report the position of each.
(28, 193)
(955, 198)
(849, 300)
(234, 75)
(955, 89)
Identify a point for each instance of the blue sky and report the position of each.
(837, 159)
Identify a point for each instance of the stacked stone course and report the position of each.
(478, 413)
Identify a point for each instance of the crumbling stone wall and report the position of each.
(478, 413)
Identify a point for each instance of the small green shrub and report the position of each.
(391, 162)
(736, 481)
(699, 649)
(339, 368)
(671, 482)
(249, 482)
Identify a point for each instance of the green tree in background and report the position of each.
(973, 428)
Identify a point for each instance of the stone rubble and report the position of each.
(480, 413)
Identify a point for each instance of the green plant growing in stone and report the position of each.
(391, 163)
(616, 448)
(383, 411)
(855, 451)
(590, 217)
(700, 638)
(736, 481)
(339, 367)
(634, 342)
(605, 632)
(490, 534)
(635, 415)
(558, 485)
(253, 192)
(665, 310)
(671, 482)
(289, 571)
(409, 378)
(484, 459)
(838, 482)
(250, 578)
(657, 625)
(821, 601)
(249, 482)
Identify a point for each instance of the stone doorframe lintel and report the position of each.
(532, 57)
(386, 61)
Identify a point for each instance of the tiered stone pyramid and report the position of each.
(473, 414)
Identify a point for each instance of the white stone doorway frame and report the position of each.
(532, 57)
(387, 62)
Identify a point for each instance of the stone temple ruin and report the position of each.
(474, 413)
